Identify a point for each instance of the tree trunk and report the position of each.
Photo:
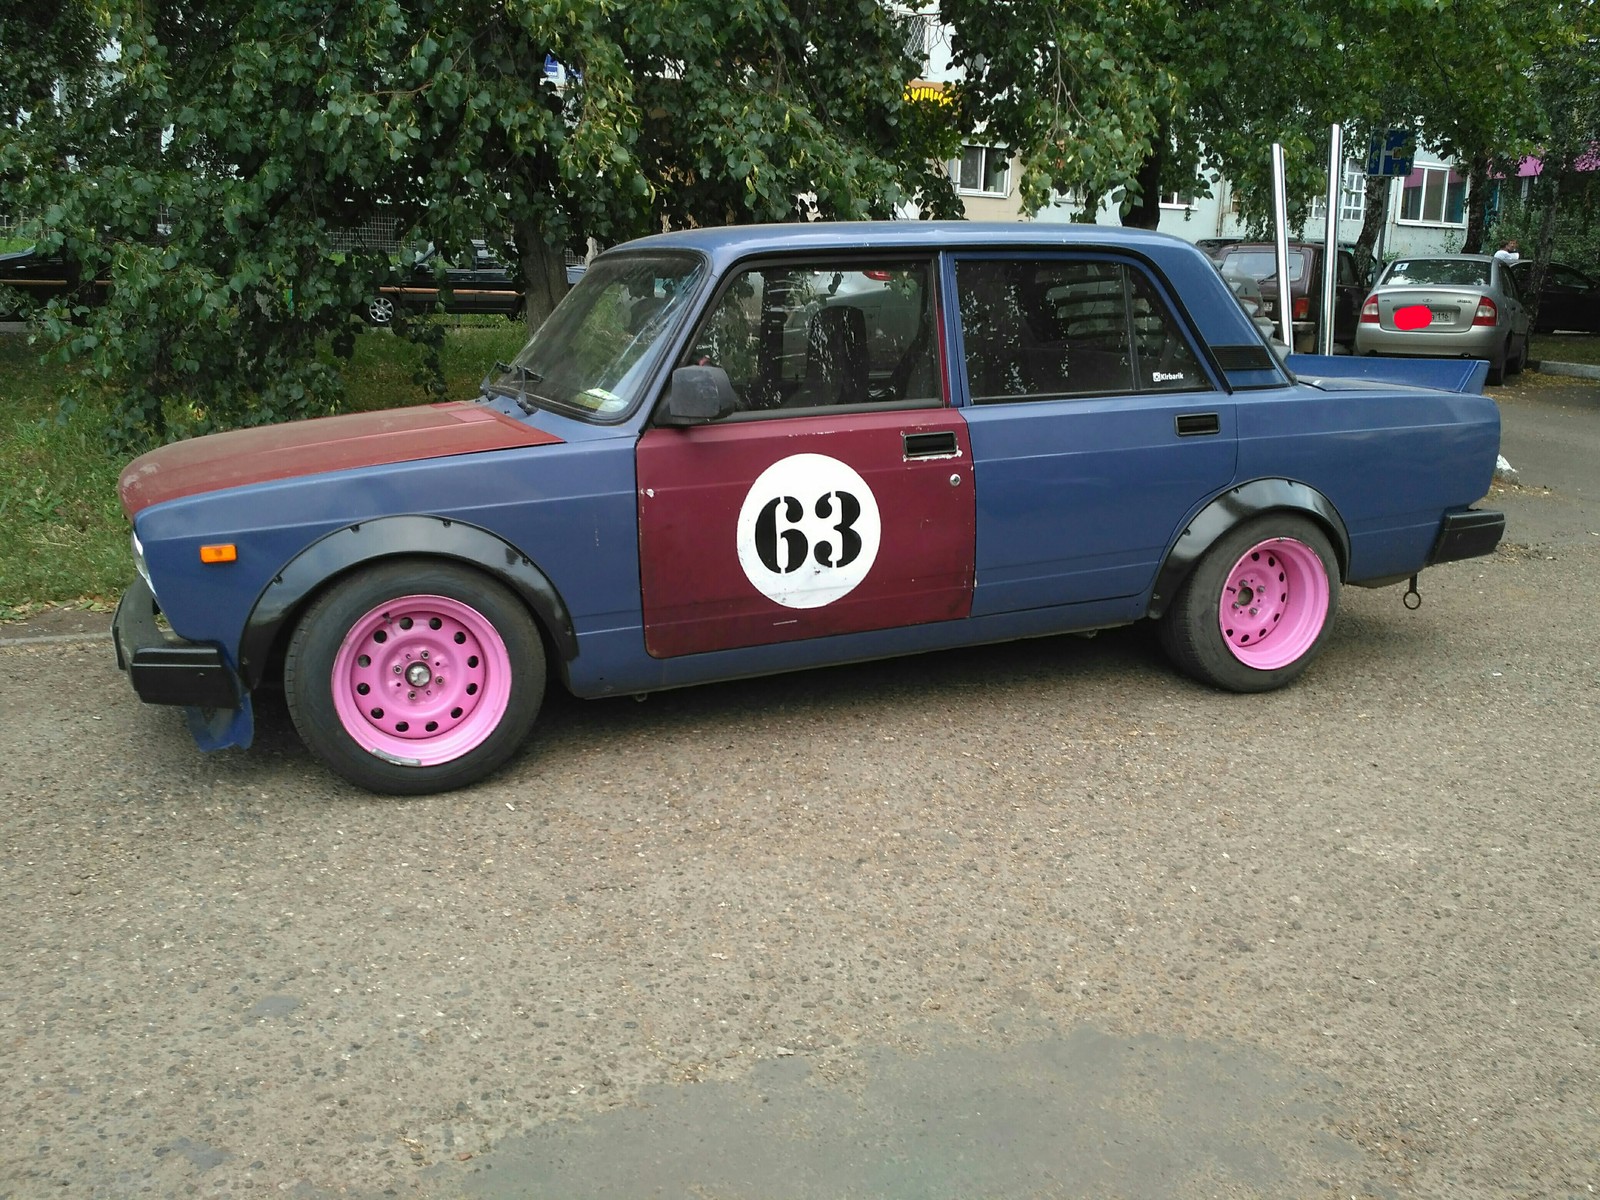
(1373, 216)
(544, 272)
(1145, 213)
(1550, 196)
(1477, 204)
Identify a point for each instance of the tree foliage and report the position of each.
(1136, 99)
(209, 155)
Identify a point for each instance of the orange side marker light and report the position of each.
(223, 552)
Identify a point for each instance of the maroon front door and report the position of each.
(772, 530)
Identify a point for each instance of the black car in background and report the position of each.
(1570, 299)
(483, 284)
(29, 280)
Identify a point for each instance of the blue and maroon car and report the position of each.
(740, 451)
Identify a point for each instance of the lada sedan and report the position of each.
(741, 451)
(1447, 306)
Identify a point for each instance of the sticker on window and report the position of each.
(808, 531)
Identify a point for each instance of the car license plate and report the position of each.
(1444, 314)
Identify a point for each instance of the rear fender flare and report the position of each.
(366, 542)
(1233, 507)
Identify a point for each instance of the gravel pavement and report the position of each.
(1035, 920)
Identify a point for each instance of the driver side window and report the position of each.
(799, 337)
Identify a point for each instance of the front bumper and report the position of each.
(164, 668)
(1469, 534)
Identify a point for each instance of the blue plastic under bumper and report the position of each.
(166, 669)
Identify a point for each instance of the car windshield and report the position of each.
(1440, 272)
(1262, 264)
(600, 345)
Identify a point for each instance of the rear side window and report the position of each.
(1058, 328)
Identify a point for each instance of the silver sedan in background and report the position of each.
(1447, 306)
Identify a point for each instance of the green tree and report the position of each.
(216, 151)
(1151, 96)
(1566, 80)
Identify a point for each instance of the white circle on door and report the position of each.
(808, 531)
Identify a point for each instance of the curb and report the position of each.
(53, 639)
(1573, 370)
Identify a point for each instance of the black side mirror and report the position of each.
(698, 396)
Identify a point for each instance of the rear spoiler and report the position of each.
(1465, 375)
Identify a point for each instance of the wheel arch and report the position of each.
(1231, 509)
(364, 543)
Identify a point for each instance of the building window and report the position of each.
(982, 170)
(1352, 197)
(1177, 200)
(1434, 196)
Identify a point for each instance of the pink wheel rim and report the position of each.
(421, 680)
(1274, 603)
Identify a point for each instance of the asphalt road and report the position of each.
(1041, 920)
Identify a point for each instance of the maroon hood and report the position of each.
(246, 456)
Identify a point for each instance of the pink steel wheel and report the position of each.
(421, 680)
(1274, 603)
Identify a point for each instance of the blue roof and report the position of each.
(1194, 281)
(726, 243)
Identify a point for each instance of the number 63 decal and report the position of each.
(808, 531)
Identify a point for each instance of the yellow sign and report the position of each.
(928, 93)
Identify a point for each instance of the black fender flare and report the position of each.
(364, 542)
(1236, 505)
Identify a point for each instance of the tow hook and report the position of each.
(1413, 598)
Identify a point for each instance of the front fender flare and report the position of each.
(390, 537)
(1233, 507)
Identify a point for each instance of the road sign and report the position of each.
(1391, 153)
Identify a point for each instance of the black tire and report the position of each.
(1195, 636)
(1515, 366)
(392, 624)
(1497, 365)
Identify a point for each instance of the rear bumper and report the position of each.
(164, 668)
(1478, 341)
(1469, 534)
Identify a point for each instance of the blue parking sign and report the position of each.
(1392, 153)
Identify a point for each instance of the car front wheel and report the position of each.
(415, 676)
(1257, 608)
(381, 310)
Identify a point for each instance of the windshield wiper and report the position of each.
(523, 375)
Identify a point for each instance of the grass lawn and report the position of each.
(1566, 347)
(63, 538)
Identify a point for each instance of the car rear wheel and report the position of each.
(1515, 365)
(415, 676)
(1497, 365)
(381, 310)
(1257, 609)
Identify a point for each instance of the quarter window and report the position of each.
(1058, 328)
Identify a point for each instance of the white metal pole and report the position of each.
(1330, 253)
(1280, 220)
